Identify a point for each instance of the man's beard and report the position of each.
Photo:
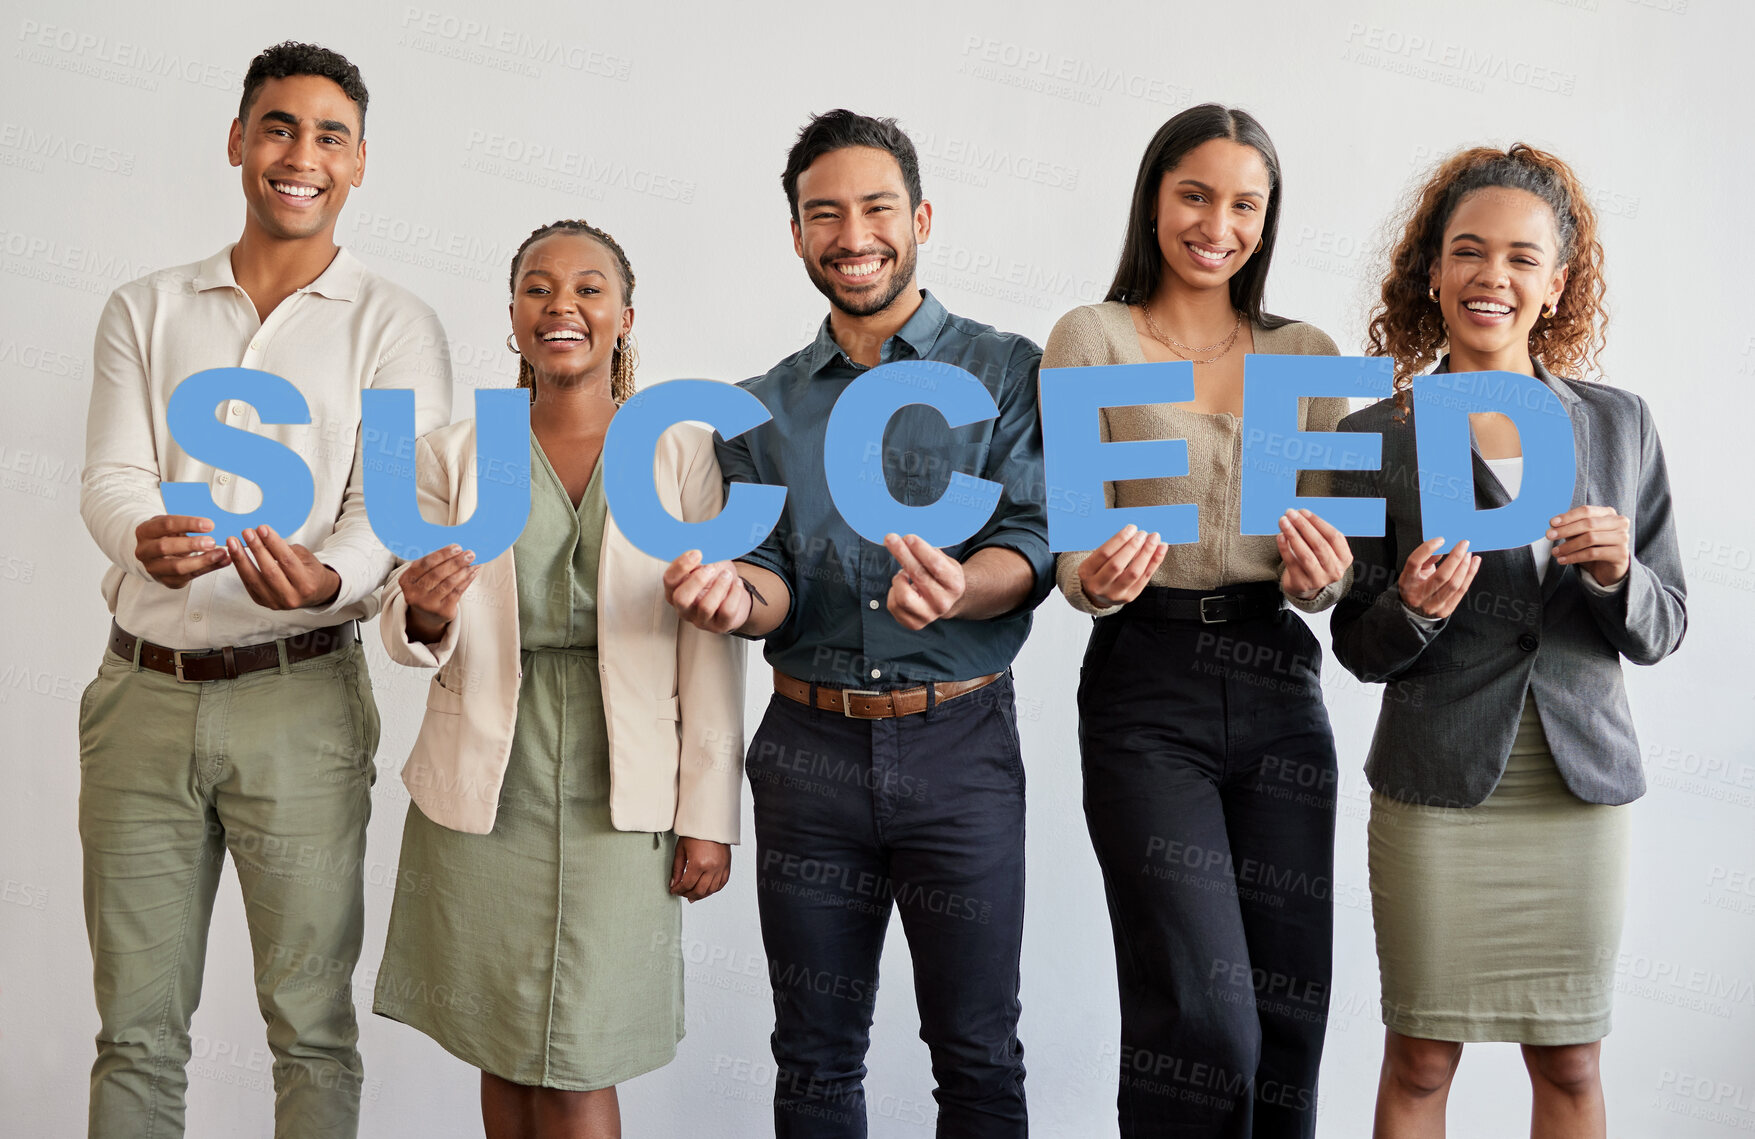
(866, 304)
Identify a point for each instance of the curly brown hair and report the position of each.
(625, 357)
(1406, 323)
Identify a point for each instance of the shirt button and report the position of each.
(1527, 642)
(237, 410)
(875, 673)
(223, 479)
(255, 346)
(195, 616)
(874, 603)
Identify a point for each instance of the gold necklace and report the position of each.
(1223, 347)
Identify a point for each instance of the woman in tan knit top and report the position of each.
(1209, 765)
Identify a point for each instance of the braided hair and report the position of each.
(625, 356)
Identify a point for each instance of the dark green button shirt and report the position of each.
(839, 631)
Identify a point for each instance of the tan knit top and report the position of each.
(1104, 334)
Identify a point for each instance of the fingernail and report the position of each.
(469, 556)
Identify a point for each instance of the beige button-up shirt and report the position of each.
(348, 330)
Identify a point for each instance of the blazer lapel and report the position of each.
(1581, 479)
(1490, 494)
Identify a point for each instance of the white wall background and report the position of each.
(670, 129)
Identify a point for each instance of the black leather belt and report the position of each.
(232, 661)
(1232, 603)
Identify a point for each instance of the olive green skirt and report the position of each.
(546, 952)
(1500, 921)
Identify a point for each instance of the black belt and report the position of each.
(232, 661)
(1232, 603)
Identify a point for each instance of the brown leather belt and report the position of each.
(233, 661)
(870, 704)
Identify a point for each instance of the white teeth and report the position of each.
(1487, 306)
(1205, 256)
(861, 270)
(295, 191)
(563, 334)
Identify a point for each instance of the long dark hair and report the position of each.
(1142, 265)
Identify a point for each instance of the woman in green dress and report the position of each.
(544, 947)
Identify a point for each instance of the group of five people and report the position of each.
(579, 764)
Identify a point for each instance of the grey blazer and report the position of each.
(1456, 687)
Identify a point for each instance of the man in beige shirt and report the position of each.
(232, 710)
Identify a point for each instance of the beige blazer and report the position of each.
(672, 694)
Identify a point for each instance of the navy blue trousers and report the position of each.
(924, 815)
(1210, 783)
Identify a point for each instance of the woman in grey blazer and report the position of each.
(1504, 753)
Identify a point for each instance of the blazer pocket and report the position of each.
(1420, 667)
(669, 708)
(442, 699)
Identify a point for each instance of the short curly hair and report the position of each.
(290, 58)
(1406, 324)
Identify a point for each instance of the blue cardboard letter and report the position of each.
(502, 475)
(853, 452)
(285, 481)
(1275, 450)
(631, 488)
(1442, 403)
(1079, 462)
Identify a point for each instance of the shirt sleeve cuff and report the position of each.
(353, 571)
(1420, 619)
(1600, 590)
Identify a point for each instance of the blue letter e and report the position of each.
(285, 481)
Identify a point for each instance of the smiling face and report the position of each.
(855, 231)
(1210, 211)
(567, 308)
(301, 152)
(1499, 265)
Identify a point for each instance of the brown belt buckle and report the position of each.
(847, 709)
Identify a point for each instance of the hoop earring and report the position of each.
(1432, 293)
(1550, 311)
(511, 347)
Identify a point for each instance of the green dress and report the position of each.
(546, 952)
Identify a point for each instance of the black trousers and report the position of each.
(1210, 781)
(923, 814)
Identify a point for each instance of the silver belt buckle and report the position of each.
(1204, 619)
(847, 709)
(177, 664)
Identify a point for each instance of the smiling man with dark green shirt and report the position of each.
(887, 772)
